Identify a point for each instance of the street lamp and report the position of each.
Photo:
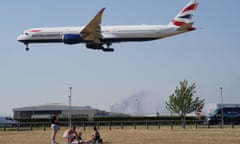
(70, 107)
(222, 121)
(138, 106)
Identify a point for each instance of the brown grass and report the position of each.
(129, 135)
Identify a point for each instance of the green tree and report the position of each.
(182, 101)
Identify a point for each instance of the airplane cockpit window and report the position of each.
(26, 33)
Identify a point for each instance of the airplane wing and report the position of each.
(92, 31)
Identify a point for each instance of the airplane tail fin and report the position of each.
(183, 20)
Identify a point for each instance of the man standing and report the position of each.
(54, 126)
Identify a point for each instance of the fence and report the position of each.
(28, 126)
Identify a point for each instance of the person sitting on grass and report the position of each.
(70, 134)
(95, 137)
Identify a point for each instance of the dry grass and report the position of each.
(129, 135)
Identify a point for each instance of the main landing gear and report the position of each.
(100, 47)
(108, 49)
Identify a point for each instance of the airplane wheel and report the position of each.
(27, 48)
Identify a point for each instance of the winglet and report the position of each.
(92, 31)
(101, 11)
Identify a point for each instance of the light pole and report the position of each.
(222, 121)
(70, 107)
(138, 106)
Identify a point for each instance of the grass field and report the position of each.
(164, 135)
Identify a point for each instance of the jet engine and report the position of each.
(71, 38)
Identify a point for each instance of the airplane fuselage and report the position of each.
(111, 34)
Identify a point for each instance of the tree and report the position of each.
(182, 101)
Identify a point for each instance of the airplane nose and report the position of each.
(20, 38)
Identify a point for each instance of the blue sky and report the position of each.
(148, 71)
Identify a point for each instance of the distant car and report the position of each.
(8, 122)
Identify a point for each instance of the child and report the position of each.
(79, 137)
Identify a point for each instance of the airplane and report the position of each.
(96, 36)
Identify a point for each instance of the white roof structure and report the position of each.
(63, 110)
(53, 106)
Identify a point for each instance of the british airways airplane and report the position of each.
(96, 36)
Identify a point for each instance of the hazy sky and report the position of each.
(148, 71)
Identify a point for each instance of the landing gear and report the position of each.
(108, 49)
(27, 48)
(100, 47)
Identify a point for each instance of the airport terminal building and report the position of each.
(63, 111)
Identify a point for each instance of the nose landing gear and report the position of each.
(27, 48)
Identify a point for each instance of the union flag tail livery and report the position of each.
(98, 37)
(185, 15)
